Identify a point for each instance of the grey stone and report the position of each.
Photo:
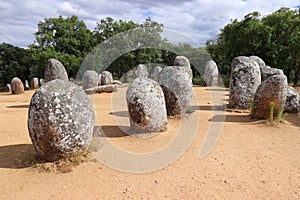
(211, 73)
(183, 61)
(244, 80)
(8, 87)
(267, 72)
(17, 86)
(146, 106)
(156, 72)
(106, 78)
(177, 86)
(292, 104)
(141, 71)
(274, 89)
(99, 79)
(259, 61)
(55, 70)
(42, 81)
(60, 120)
(26, 87)
(90, 79)
(34, 83)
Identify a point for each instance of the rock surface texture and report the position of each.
(34, 83)
(60, 120)
(177, 87)
(156, 72)
(292, 104)
(55, 70)
(106, 78)
(90, 79)
(17, 86)
(274, 89)
(211, 73)
(183, 61)
(146, 106)
(141, 71)
(244, 80)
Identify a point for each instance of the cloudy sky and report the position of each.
(196, 19)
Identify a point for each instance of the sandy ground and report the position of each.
(251, 160)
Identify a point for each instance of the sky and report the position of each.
(198, 20)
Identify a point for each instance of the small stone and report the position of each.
(211, 73)
(183, 61)
(141, 71)
(17, 86)
(106, 78)
(292, 104)
(155, 74)
(55, 70)
(26, 85)
(90, 79)
(34, 83)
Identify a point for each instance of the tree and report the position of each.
(66, 39)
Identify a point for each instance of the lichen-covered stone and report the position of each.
(55, 70)
(274, 89)
(183, 61)
(34, 83)
(17, 86)
(292, 104)
(99, 79)
(141, 71)
(90, 79)
(106, 78)
(26, 87)
(244, 80)
(60, 120)
(155, 73)
(211, 73)
(177, 87)
(146, 106)
(42, 81)
(259, 61)
(267, 72)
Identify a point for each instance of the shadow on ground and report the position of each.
(18, 106)
(110, 131)
(17, 156)
(120, 113)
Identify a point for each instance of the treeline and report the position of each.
(275, 38)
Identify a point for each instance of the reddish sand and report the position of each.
(251, 160)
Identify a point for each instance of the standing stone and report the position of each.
(55, 70)
(99, 79)
(177, 86)
(267, 72)
(90, 79)
(141, 71)
(244, 80)
(183, 61)
(8, 87)
(42, 81)
(34, 83)
(26, 85)
(60, 120)
(156, 72)
(17, 86)
(106, 78)
(292, 104)
(259, 61)
(146, 106)
(274, 89)
(211, 73)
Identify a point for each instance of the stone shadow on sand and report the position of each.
(17, 156)
(120, 113)
(18, 106)
(110, 131)
(232, 118)
(209, 107)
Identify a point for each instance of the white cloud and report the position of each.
(198, 19)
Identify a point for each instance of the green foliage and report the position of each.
(275, 38)
(271, 115)
(280, 117)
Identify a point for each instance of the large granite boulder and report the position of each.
(141, 71)
(55, 70)
(34, 83)
(90, 79)
(183, 61)
(60, 120)
(267, 72)
(211, 73)
(274, 89)
(292, 104)
(106, 78)
(177, 86)
(146, 106)
(244, 80)
(259, 61)
(17, 86)
(155, 73)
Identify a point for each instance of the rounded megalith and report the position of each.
(34, 83)
(60, 120)
(177, 87)
(155, 73)
(211, 73)
(55, 70)
(90, 79)
(106, 78)
(141, 71)
(244, 80)
(267, 72)
(292, 103)
(259, 61)
(146, 106)
(17, 86)
(26, 85)
(274, 89)
(183, 61)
